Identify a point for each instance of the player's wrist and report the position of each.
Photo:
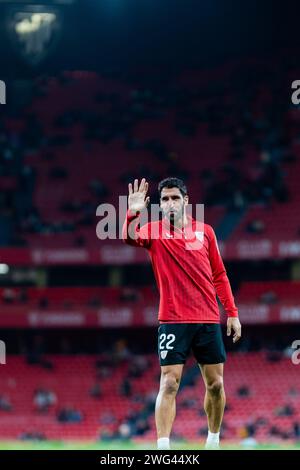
(133, 213)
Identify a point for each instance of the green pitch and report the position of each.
(117, 445)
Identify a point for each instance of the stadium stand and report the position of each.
(268, 402)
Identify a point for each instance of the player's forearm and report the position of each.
(129, 232)
(224, 292)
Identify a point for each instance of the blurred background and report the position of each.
(99, 93)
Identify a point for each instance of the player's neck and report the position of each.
(181, 223)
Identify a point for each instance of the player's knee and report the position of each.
(215, 387)
(170, 384)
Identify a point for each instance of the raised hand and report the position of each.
(137, 200)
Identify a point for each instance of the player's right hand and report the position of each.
(234, 323)
(137, 200)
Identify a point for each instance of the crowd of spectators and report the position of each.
(252, 118)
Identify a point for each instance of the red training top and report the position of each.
(188, 268)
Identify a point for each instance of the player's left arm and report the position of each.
(223, 288)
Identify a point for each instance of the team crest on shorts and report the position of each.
(163, 354)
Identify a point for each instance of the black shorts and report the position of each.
(176, 340)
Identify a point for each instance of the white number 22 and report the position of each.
(171, 338)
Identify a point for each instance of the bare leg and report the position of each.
(214, 401)
(165, 409)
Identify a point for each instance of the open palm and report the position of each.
(137, 200)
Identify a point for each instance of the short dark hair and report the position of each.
(172, 182)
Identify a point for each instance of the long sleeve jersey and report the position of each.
(188, 268)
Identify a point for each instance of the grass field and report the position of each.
(117, 445)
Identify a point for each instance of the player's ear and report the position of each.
(186, 200)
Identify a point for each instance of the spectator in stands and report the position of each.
(136, 423)
(103, 372)
(88, 211)
(275, 431)
(32, 436)
(106, 435)
(65, 346)
(238, 201)
(137, 366)
(43, 399)
(138, 398)
(23, 296)
(151, 398)
(9, 295)
(104, 365)
(120, 352)
(286, 410)
(274, 356)
(256, 226)
(58, 173)
(69, 415)
(243, 391)
(35, 352)
(296, 430)
(293, 392)
(98, 188)
(94, 302)
(129, 294)
(107, 418)
(43, 303)
(5, 404)
(32, 134)
(190, 403)
(125, 388)
(31, 221)
(27, 181)
(248, 435)
(141, 427)
(124, 432)
(80, 241)
(67, 304)
(96, 391)
(202, 431)
(71, 207)
(269, 297)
